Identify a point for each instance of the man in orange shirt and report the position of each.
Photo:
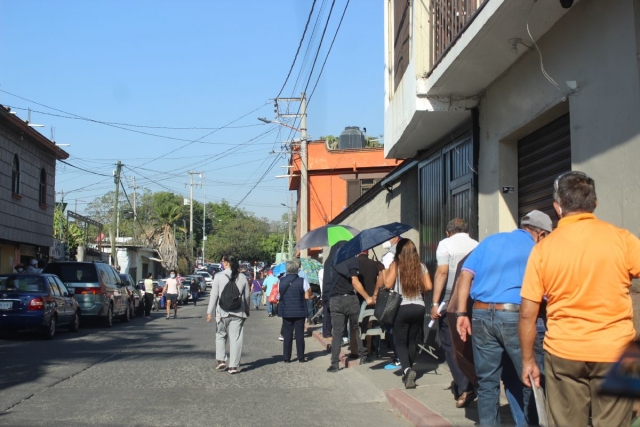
(584, 270)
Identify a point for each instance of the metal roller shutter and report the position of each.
(542, 156)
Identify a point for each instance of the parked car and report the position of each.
(213, 269)
(38, 302)
(97, 288)
(136, 295)
(208, 278)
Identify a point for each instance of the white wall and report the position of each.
(595, 44)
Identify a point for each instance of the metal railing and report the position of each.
(449, 19)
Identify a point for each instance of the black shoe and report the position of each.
(410, 379)
(303, 360)
(287, 361)
(366, 359)
(333, 369)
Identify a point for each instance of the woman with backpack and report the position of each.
(408, 276)
(230, 298)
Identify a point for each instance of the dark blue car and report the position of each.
(39, 302)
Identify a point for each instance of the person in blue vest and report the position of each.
(292, 308)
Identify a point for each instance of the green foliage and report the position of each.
(163, 217)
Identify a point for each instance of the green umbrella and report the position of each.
(327, 235)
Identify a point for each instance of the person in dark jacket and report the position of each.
(194, 287)
(293, 310)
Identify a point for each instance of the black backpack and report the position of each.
(230, 298)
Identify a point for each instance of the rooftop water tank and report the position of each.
(351, 137)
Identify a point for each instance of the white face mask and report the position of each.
(173, 276)
(387, 244)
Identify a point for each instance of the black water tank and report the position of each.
(352, 137)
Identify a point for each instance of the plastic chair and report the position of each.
(364, 319)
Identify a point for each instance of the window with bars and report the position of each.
(357, 187)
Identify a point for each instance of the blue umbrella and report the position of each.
(370, 238)
(279, 269)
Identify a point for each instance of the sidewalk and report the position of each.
(431, 403)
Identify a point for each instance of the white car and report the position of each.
(207, 277)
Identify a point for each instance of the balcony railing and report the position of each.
(449, 19)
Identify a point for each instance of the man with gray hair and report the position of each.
(292, 308)
(584, 271)
(450, 251)
(496, 268)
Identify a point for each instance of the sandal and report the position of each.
(233, 371)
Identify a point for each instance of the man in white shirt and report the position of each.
(450, 251)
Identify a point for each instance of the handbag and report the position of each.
(387, 305)
(273, 296)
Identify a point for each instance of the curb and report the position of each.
(345, 357)
(414, 411)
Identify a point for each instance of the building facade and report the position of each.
(27, 191)
(337, 178)
(495, 98)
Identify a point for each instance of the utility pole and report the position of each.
(290, 246)
(135, 211)
(191, 173)
(204, 220)
(114, 225)
(303, 216)
(304, 181)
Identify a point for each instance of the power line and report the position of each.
(82, 169)
(102, 122)
(313, 5)
(328, 53)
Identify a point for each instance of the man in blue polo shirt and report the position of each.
(496, 268)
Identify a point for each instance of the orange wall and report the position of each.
(327, 191)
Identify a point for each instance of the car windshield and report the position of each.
(21, 284)
(74, 273)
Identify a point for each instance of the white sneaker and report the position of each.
(281, 338)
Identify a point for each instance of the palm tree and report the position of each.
(167, 216)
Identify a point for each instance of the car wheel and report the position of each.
(50, 331)
(108, 321)
(127, 314)
(75, 325)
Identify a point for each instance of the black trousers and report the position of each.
(148, 302)
(344, 309)
(326, 319)
(289, 324)
(406, 328)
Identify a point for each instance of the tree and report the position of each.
(373, 142)
(167, 215)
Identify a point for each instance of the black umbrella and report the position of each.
(370, 238)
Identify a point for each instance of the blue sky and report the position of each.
(186, 64)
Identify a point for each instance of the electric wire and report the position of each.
(82, 169)
(306, 26)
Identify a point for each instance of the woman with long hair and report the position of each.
(229, 324)
(408, 276)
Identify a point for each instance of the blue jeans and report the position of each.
(257, 296)
(269, 307)
(495, 335)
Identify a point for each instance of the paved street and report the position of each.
(161, 372)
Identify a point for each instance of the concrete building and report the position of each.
(494, 98)
(27, 191)
(337, 177)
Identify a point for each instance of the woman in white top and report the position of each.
(170, 292)
(408, 276)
